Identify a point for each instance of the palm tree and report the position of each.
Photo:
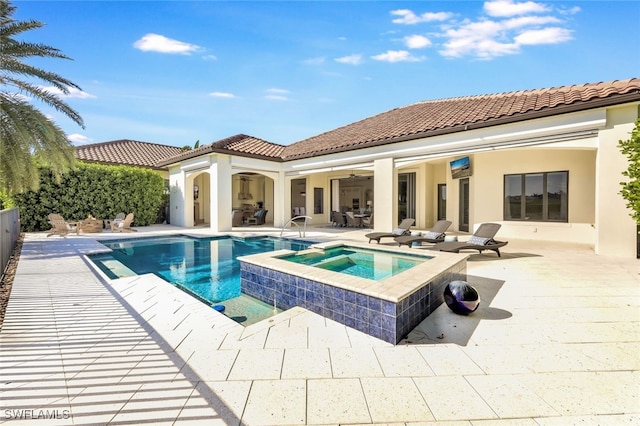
(28, 138)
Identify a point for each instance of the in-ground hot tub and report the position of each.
(386, 307)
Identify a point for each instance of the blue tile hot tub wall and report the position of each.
(385, 320)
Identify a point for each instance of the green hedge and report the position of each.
(93, 189)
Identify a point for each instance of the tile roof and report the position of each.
(238, 144)
(430, 118)
(419, 120)
(127, 152)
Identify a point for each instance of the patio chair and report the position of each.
(435, 235)
(236, 218)
(119, 217)
(352, 220)
(258, 217)
(338, 219)
(367, 221)
(124, 225)
(481, 240)
(403, 229)
(61, 227)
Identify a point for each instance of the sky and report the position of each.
(179, 72)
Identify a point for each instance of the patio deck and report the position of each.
(554, 342)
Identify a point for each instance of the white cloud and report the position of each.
(210, 58)
(158, 43)
(355, 59)
(396, 56)
(407, 17)
(222, 95)
(276, 90)
(276, 94)
(484, 39)
(417, 41)
(506, 27)
(72, 93)
(505, 8)
(79, 139)
(526, 21)
(276, 97)
(315, 61)
(544, 36)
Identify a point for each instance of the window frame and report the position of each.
(523, 198)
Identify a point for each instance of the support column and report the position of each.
(385, 195)
(615, 229)
(221, 201)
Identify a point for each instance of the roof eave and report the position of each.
(543, 113)
(211, 150)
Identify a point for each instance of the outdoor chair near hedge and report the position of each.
(61, 227)
(124, 225)
(108, 222)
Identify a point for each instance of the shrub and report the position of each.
(98, 190)
(631, 188)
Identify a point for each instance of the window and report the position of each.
(539, 197)
(318, 200)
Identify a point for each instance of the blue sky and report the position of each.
(174, 72)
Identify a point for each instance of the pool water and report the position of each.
(369, 264)
(206, 268)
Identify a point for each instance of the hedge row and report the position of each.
(98, 190)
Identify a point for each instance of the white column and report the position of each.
(385, 195)
(176, 196)
(615, 229)
(281, 199)
(221, 201)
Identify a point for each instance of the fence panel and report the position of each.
(9, 234)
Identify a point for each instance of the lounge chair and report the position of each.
(434, 235)
(481, 240)
(124, 225)
(61, 227)
(119, 217)
(403, 229)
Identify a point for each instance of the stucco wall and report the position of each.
(487, 189)
(616, 230)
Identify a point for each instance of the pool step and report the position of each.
(117, 268)
(337, 263)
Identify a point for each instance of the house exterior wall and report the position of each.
(487, 186)
(582, 143)
(616, 230)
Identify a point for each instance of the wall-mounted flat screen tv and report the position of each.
(460, 168)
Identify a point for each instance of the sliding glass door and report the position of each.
(406, 196)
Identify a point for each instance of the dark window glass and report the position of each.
(318, 200)
(533, 190)
(537, 197)
(513, 197)
(557, 196)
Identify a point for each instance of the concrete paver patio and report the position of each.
(554, 342)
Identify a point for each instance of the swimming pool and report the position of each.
(369, 264)
(207, 268)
